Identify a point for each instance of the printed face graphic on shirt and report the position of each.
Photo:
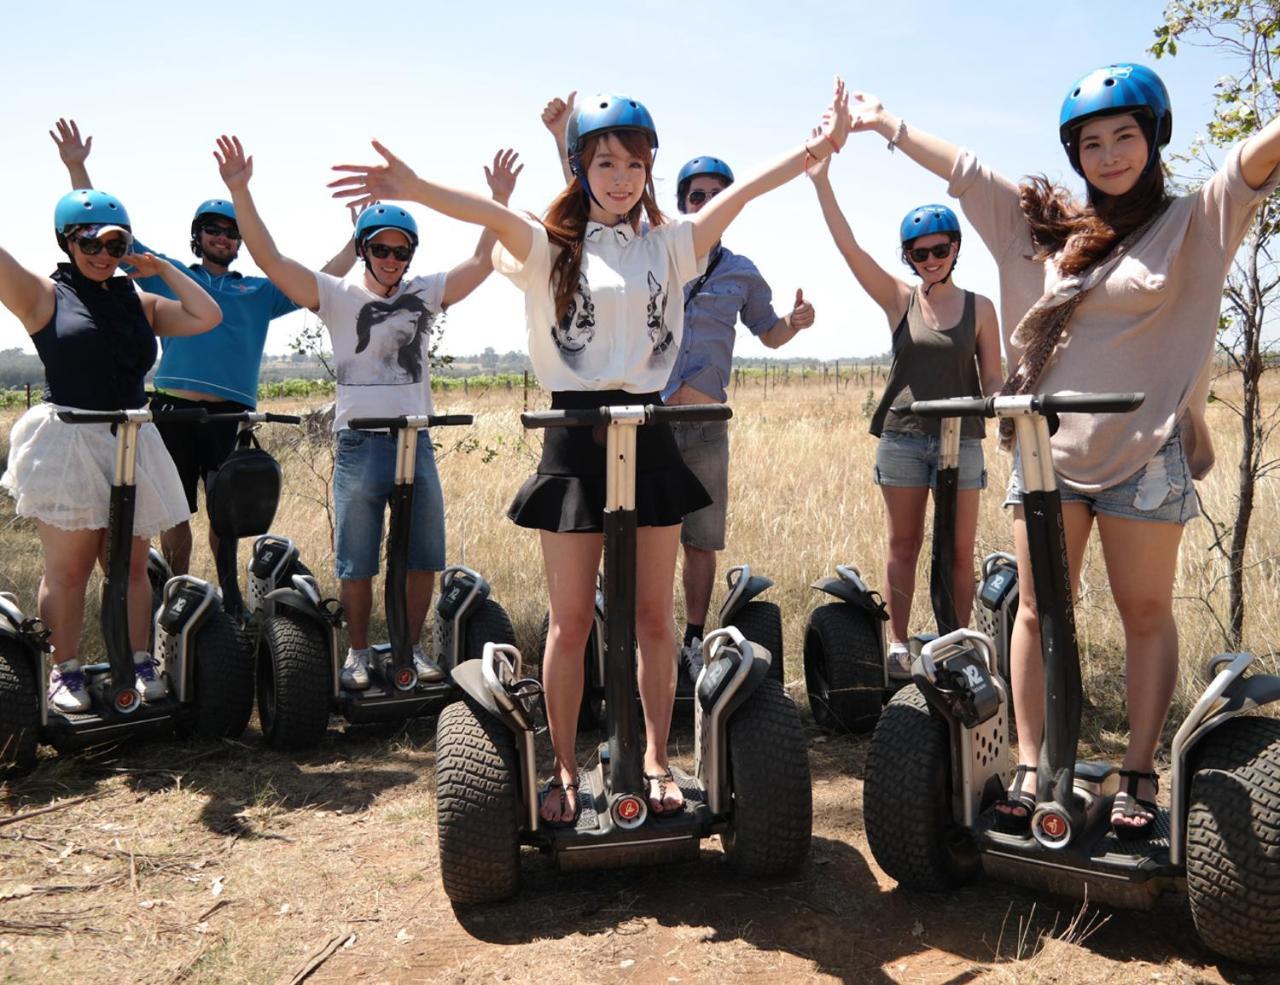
(577, 328)
(656, 317)
(391, 340)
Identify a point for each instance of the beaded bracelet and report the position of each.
(898, 134)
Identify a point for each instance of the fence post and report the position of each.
(28, 386)
(526, 390)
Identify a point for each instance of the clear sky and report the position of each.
(445, 84)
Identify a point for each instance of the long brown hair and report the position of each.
(566, 217)
(1079, 235)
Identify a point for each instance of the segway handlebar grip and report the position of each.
(122, 416)
(253, 417)
(953, 407)
(434, 421)
(1048, 403)
(578, 417)
(692, 413)
(589, 416)
(1089, 403)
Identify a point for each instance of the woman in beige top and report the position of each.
(1142, 273)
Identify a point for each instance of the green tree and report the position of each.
(1247, 34)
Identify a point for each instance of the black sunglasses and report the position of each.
(381, 251)
(92, 247)
(922, 253)
(698, 196)
(216, 229)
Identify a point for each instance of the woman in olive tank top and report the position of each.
(946, 343)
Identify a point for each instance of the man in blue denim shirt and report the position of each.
(730, 287)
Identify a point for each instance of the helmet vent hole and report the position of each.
(1109, 82)
(1075, 94)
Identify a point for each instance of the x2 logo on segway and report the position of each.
(717, 676)
(459, 587)
(963, 682)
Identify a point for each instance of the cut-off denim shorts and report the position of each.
(907, 458)
(1161, 490)
(363, 479)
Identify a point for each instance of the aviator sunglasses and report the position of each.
(922, 253)
(216, 229)
(115, 248)
(380, 251)
(698, 196)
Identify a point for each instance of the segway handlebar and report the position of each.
(651, 413)
(409, 421)
(141, 415)
(1018, 406)
(254, 417)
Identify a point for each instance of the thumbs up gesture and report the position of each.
(802, 314)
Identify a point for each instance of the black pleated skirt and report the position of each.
(566, 494)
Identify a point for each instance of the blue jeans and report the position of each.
(363, 480)
(907, 458)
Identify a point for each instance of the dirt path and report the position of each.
(229, 864)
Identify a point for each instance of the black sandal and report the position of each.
(562, 791)
(1127, 805)
(662, 779)
(1018, 803)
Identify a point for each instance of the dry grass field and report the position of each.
(182, 863)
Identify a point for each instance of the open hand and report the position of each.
(867, 110)
(369, 183)
(817, 170)
(802, 314)
(144, 265)
(555, 115)
(71, 148)
(502, 177)
(835, 119)
(235, 168)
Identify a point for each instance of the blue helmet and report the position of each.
(604, 114)
(696, 168)
(88, 207)
(380, 216)
(925, 220)
(1120, 88)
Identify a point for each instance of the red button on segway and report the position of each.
(1053, 825)
(628, 808)
(404, 678)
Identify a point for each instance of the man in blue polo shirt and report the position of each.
(218, 370)
(731, 288)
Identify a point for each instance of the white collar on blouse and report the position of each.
(619, 235)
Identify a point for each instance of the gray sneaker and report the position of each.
(899, 661)
(355, 671)
(689, 660)
(429, 671)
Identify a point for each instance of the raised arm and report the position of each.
(74, 152)
(711, 221)
(191, 313)
(29, 296)
(395, 180)
(930, 152)
(471, 272)
(890, 293)
(345, 258)
(297, 282)
(1261, 154)
(555, 117)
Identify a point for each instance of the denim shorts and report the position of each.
(363, 479)
(1161, 490)
(704, 446)
(907, 458)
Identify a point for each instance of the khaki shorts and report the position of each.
(705, 449)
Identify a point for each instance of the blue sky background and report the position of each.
(445, 84)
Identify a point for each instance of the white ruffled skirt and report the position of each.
(61, 474)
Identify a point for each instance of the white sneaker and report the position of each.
(148, 682)
(689, 659)
(67, 688)
(899, 661)
(355, 670)
(429, 671)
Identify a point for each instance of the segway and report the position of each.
(751, 783)
(846, 654)
(939, 759)
(209, 678)
(300, 653)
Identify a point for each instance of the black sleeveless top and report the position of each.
(929, 364)
(98, 346)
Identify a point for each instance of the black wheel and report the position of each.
(477, 805)
(906, 798)
(223, 669)
(591, 710)
(761, 622)
(844, 667)
(772, 794)
(1233, 840)
(487, 623)
(19, 708)
(295, 682)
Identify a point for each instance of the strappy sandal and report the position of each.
(1127, 806)
(561, 790)
(658, 806)
(1018, 804)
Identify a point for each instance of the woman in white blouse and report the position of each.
(605, 317)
